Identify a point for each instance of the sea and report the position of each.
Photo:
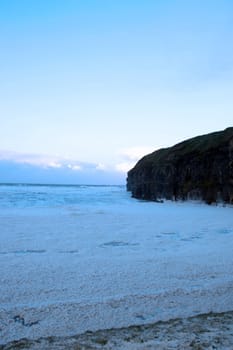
(78, 258)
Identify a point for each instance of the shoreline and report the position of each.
(64, 320)
(204, 331)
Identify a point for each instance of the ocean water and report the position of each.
(78, 258)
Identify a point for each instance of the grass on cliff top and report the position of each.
(195, 145)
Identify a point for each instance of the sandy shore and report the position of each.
(207, 331)
(128, 268)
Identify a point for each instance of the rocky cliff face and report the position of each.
(198, 168)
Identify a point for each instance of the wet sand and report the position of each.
(207, 331)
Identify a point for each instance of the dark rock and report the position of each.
(199, 168)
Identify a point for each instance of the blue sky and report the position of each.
(104, 82)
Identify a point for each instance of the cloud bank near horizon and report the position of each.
(36, 168)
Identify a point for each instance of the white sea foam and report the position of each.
(85, 258)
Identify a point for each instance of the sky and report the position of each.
(87, 87)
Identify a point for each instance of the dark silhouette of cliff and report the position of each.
(198, 168)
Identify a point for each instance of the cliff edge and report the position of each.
(198, 168)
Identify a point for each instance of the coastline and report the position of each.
(205, 331)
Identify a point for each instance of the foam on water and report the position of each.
(50, 196)
(77, 258)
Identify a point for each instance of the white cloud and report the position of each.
(31, 159)
(74, 167)
(125, 160)
(55, 169)
(124, 167)
(135, 153)
(44, 161)
(54, 165)
(130, 156)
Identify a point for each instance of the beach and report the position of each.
(85, 263)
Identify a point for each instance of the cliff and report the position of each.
(198, 168)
